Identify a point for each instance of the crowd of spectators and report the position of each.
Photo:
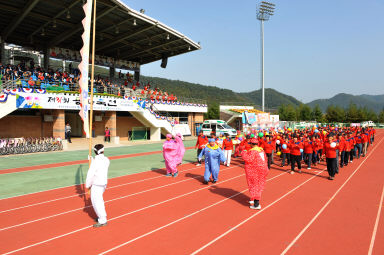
(30, 75)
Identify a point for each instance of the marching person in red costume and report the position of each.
(295, 147)
(268, 147)
(330, 148)
(256, 171)
(201, 142)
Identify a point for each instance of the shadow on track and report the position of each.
(227, 192)
(81, 191)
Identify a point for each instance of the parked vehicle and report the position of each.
(217, 126)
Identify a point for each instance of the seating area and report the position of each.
(23, 76)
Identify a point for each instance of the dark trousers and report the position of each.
(331, 166)
(308, 159)
(314, 157)
(198, 154)
(68, 136)
(359, 150)
(285, 156)
(341, 160)
(351, 153)
(107, 139)
(269, 156)
(295, 159)
(319, 154)
(346, 158)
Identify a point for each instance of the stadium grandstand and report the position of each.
(39, 75)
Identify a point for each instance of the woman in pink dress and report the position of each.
(181, 148)
(256, 171)
(171, 155)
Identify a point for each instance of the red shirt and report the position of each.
(342, 144)
(268, 146)
(308, 147)
(329, 151)
(295, 148)
(358, 139)
(227, 144)
(201, 141)
(320, 144)
(286, 143)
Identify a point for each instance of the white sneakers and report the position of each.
(255, 207)
(198, 164)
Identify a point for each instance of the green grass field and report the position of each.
(15, 184)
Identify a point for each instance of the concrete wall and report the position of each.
(21, 126)
(125, 124)
(194, 118)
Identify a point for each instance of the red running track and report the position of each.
(302, 214)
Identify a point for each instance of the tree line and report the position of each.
(351, 114)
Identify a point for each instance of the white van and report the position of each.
(217, 126)
(368, 124)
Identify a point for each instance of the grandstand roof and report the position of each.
(121, 32)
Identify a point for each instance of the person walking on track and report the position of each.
(96, 183)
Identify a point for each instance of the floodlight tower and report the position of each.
(264, 12)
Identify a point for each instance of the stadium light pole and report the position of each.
(264, 12)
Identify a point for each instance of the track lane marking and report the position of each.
(183, 218)
(376, 224)
(77, 195)
(120, 216)
(111, 200)
(328, 202)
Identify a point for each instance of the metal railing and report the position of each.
(100, 89)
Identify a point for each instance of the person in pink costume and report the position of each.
(181, 148)
(256, 171)
(171, 155)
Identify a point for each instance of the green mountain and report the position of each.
(185, 90)
(343, 100)
(273, 98)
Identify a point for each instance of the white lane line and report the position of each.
(120, 216)
(180, 219)
(77, 195)
(327, 203)
(253, 215)
(74, 186)
(111, 200)
(376, 224)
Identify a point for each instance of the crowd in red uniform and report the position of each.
(337, 146)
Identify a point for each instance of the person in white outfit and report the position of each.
(97, 178)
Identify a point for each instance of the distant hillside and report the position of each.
(194, 90)
(375, 103)
(214, 94)
(273, 98)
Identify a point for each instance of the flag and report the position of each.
(83, 67)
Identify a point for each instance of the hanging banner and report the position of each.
(83, 66)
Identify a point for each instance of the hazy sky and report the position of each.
(313, 49)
